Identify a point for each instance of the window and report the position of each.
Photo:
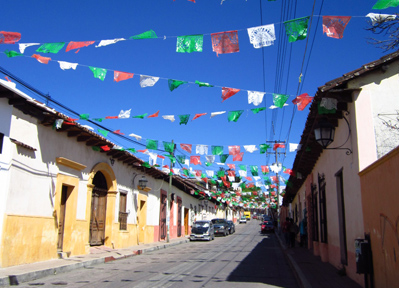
(315, 219)
(341, 218)
(122, 211)
(323, 212)
(1, 142)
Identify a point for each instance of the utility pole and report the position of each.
(167, 197)
(278, 182)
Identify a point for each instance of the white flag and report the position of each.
(274, 107)
(262, 36)
(250, 148)
(295, 147)
(276, 167)
(255, 97)
(329, 103)
(148, 81)
(242, 173)
(66, 65)
(108, 42)
(153, 158)
(201, 149)
(124, 114)
(138, 138)
(213, 114)
(210, 173)
(22, 46)
(210, 158)
(169, 117)
(380, 18)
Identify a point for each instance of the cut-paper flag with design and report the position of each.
(23, 46)
(238, 157)
(120, 76)
(263, 148)
(302, 101)
(295, 147)
(265, 169)
(195, 160)
(275, 107)
(173, 84)
(375, 18)
(257, 110)
(99, 72)
(142, 116)
(148, 81)
(231, 166)
(383, 4)
(279, 100)
(217, 150)
(228, 92)
(169, 117)
(198, 115)
(77, 45)
(255, 97)
(276, 167)
(189, 43)
(145, 35)
(278, 145)
(203, 84)
(169, 147)
(152, 144)
(9, 37)
(262, 36)
(109, 42)
(225, 42)
(223, 158)
(138, 138)
(213, 114)
(41, 59)
(334, 26)
(184, 119)
(154, 115)
(201, 149)
(186, 147)
(51, 47)
(66, 65)
(242, 173)
(327, 106)
(296, 29)
(124, 114)
(234, 115)
(233, 150)
(210, 158)
(250, 148)
(11, 53)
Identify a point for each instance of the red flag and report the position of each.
(186, 147)
(105, 148)
(120, 76)
(225, 42)
(248, 178)
(231, 173)
(111, 117)
(142, 151)
(288, 171)
(9, 37)
(265, 169)
(118, 132)
(198, 115)
(234, 150)
(228, 92)
(165, 166)
(231, 166)
(154, 115)
(250, 185)
(302, 101)
(238, 157)
(278, 145)
(274, 179)
(160, 156)
(334, 26)
(41, 59)
(195, 160)
(227, 184)
(198, 173)
(77, 45)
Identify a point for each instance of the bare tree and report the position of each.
(388, 26)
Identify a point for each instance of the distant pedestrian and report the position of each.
(286, 231)
(294, 229)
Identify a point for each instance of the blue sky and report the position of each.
(273, 69)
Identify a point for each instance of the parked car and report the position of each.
(202, 230)
(221, 226)
(267, 218)
(243, 219)
(267, 226)
(232, 226)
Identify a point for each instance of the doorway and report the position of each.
(162, 216)
(61, 220)
(142, 220)
(98, 210)
(186, 228)
(179, 208)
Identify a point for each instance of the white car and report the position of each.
(243, 219)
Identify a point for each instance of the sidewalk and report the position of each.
(28, 272)
(311, 272)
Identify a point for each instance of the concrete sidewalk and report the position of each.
(28, 272)
(311, 272)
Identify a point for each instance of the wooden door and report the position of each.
(179, 207)
(61, 220)
(142, 220)
(186, 228)
(97, 218)
(162, 220)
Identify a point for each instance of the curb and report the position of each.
(13, 280)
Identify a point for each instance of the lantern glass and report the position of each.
(143, 182)
(324, 133)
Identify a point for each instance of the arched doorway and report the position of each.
(98, 209)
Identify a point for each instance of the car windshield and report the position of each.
(218, 221)
(268, 223)
(201, 224)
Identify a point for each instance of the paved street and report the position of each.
(245, 258)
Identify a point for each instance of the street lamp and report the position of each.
(324, 134)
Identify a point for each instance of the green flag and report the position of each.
(11, 53)
(95, 148)
(263, 148)
(189, 43)
(181, 158)
(173, 84)
(217, 150)
(220, 173)
(243, 167)
(185, 172)
(279, 100)
(51, 47)
(132, 150)
(296, 29)
(99, 119)
(223, 158)
(103, 132)
(383, 4)
(203, 84)
(145, 35)
(84, 116)
(172, 159)
(254, 170)
(208, 164)
(169, 146)
(324, 110)
(152, 144)
(184, 119)
(98, 72)
(234, 115)
(142, 116)
(257, 110)
(146, 164)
